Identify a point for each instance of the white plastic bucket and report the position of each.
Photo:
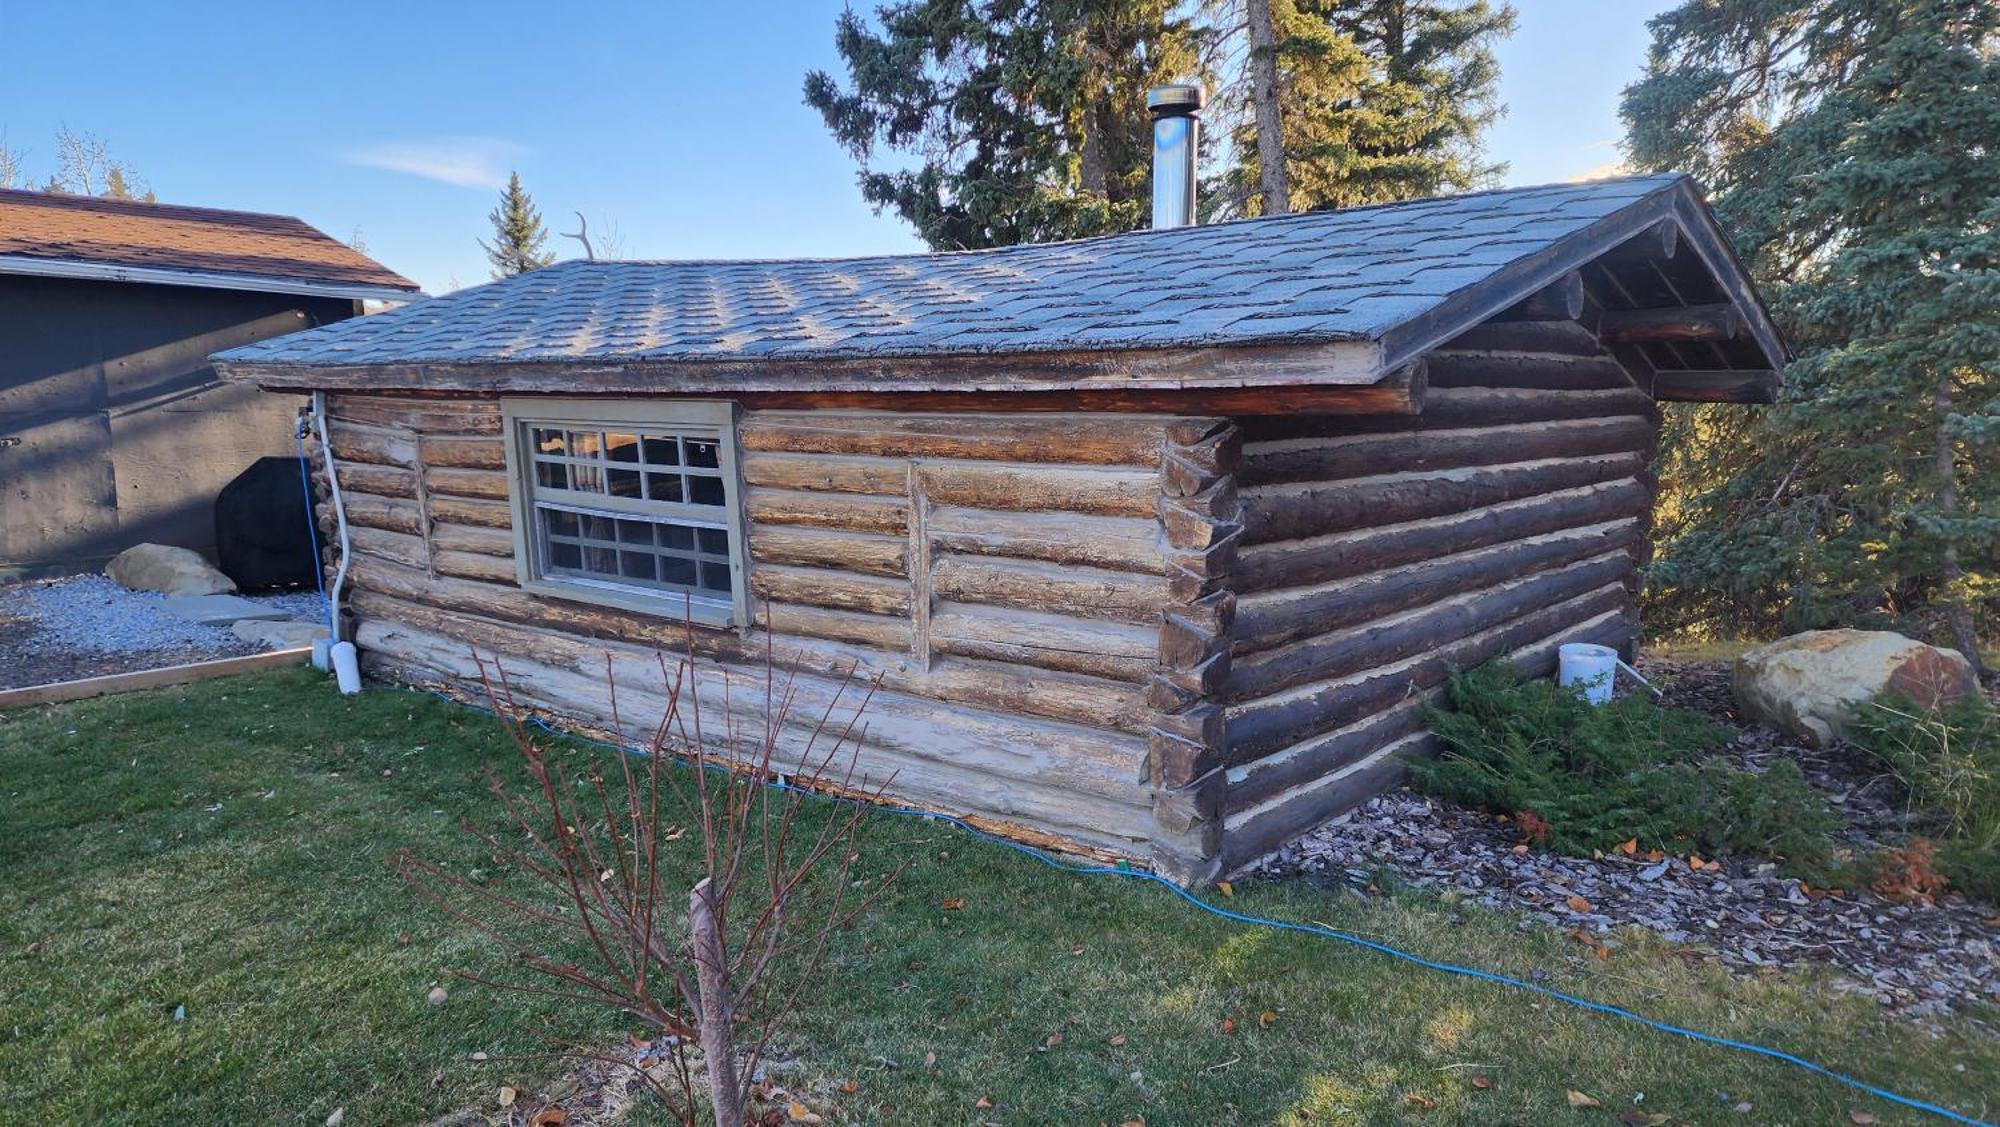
(347, 666)
(1588, 668)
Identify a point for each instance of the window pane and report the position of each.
(559, 522)
(586, 479)
(598, 528)
(701, 452)
(678, 570)
(635, 532)
(715, 576)
(552, 475)
(622, 483)
(565, 556)
(635, 565)
(585, 443)
(600, 561)
(622, 447)
(704, 490)
(549, 441)
(714, 541)
(663, 486)
(677, 536)
(662, 450)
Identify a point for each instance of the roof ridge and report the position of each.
(108, 203)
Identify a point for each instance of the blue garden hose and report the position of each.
(312, 534)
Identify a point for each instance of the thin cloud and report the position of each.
(1600, 172)
(467, 162)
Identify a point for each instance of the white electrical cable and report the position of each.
(339, 513)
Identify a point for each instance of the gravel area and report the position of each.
(88, 626)
(1919, 959)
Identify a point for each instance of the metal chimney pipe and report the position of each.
(1176, 114)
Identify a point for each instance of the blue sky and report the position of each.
(680, 124)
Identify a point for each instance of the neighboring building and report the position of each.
(113, 427)
(1158, 542)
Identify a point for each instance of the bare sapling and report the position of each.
(694, 883)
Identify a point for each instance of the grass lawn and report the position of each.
(219, 851)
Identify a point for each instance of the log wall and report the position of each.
(1000, 574)
(1378, 554)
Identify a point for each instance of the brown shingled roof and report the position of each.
(56, 229)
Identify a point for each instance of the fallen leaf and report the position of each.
(549, 1117)
(799, 1113)
(930, 1060)
(983, 1103)
(1578, 904)
(34, 948)
(437, 996)
(1694, 863)
(1629, 847)
(1420, 1102)
(1637, 1118)
(1225, 888)
(1118, 1040)
(1860, 1117)
(1578, 1099)
(1522, 848)
(508, 1095)
(480, 1058)
(849, 1087)
(1229, 1025)
(1483, 1083)
(1265, 1019)
(1052, 1040)
(954, 904)
(638, 1042)
(1604, 952)
(1133, 1123)
(338, 1117)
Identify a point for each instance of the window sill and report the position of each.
(712, 613)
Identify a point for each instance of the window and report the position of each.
(630, 503)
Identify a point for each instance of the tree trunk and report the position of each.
(716, 1013)
(1957, 615)
(1264, 99)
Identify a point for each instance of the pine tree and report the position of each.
(1380, 100)
(1027, 117)
(1848, 146)
(518, 234)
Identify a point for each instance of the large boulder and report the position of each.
(1809, 684)
(168, 570)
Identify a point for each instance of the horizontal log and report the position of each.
(462, 415)
(1456, 407)
(1112, 650)
(1068, 590)
(461, 452)
(468, 510)
(1340, 653)
(1748, 386)
(1322, 559)
(1674, 323)
(473, 538)
(826, 473)
(1258, 728)
(1659, 241)
(396, 547)
(1256, 831)
(353, 442)
(1267, 619)
(365, 510)
(1552, 338)
(1307, 762)
(1512, 369)
(1560, 300)
(880, 631)
(455, 482)
(1117, 543)
(864, 552)
(834, 590)
(1294, 511)
(382, 481)
(1017, 488)
(1328, 459)
(855, 512)
(1057, 776)
(475, 565)
(1082, 440)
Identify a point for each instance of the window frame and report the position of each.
(687, 418)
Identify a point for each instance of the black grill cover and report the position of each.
(261, 536)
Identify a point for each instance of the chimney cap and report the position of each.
(1182, 99)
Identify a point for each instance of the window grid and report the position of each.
(651, 552)
(641, 465)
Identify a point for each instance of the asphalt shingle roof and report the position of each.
(60, 228)
(1324, 276)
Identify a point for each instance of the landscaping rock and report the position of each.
(168, 570)
(1808, 684)
(220, 610)
(278, 635)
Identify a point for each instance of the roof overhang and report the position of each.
(32, 266)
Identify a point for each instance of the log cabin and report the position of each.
(1158, 542)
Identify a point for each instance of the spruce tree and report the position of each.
(1849, 147)
(1027, 118)
(1380, 100)
(518, 234)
